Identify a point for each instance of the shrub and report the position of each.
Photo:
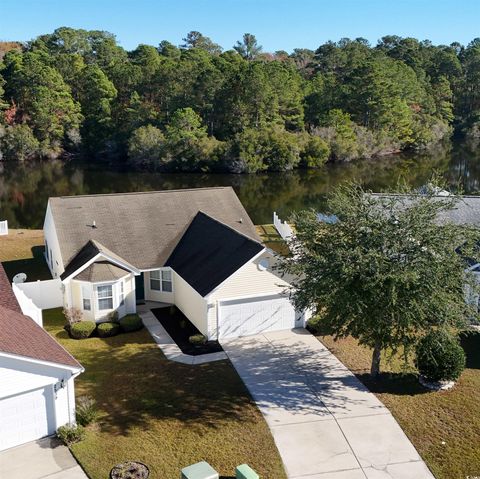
(439, 357)
(112, 316)
(197, 339)
(73, 315)
(83, 329)
(86, 411)
(131, 322)
(105, 330)
(69, 434)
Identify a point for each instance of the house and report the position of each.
(194, 248)
(36, 376)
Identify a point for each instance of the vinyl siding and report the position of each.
(190, 303)
(153, 295)
(96, 315)
(55, 262)
(247, 281)
(20, 376)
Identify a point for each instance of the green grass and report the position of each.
(270, 237)
(443, 426)
(165, 414)
(21, 251)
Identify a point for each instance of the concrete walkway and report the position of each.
(168, 345)
(325, 423)
(43, 459)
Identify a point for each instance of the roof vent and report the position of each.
(94, 224)
(240, 220)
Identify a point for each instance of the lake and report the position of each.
(25, 188)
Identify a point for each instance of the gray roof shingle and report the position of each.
(142, 228)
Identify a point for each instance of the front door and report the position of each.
(139, 288)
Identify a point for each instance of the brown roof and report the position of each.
(20, 335)
(101, 271)
(142, 228)
(8, 299)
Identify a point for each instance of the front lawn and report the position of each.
(165, 414)
(21, 251)
(443, 426)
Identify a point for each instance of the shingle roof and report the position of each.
(20, 335)
(209, 252)
(101, 271)
(88, 252)
(466, 211)
(142, 228)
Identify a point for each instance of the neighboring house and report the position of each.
(194, 248)
(36, 376)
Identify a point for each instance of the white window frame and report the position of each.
(159, 278)
(121, 294)
(86, 296)
(163, 280)
(112, 295)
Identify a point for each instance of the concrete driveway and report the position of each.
(325, 423)
(42, 459)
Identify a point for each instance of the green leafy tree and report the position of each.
(197, 40)
(18, 143)
(96, 95)
(386, 270)
(315, 152)
(146, 146)
(248, 48)
(42, 98)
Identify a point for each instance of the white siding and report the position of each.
(75, 288)
(248, 281)
(153, 295)
(191, 304)
(21, 376)
(54, 262)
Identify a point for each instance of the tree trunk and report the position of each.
(375, 369)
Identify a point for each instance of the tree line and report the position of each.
(195, 107)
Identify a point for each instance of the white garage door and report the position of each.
(26, 417)
(243, 317)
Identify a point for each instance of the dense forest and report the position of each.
(195, 107)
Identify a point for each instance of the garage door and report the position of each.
(26, 417)
(243, 317)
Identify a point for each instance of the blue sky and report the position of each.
(278, 24)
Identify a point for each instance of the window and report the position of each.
(167, 281)
(121, 296)
(161, 280)
(155, 280)
(105, 297)
(87, 304)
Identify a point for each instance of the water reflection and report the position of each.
(24, 189)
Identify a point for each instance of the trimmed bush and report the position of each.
(439, 357)
(86, 410)
(197, 339)
(105, 330)
(82, 330)
(131, 322)
(70, 434)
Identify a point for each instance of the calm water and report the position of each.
(24, 189)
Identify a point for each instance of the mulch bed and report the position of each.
(173, 322)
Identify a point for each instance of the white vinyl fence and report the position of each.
(283, 228)
(38, 295)
(3, 228)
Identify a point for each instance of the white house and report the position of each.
(194, 248)
(36, 376)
